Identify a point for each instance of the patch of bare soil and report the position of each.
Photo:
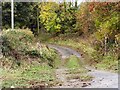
(62, 75)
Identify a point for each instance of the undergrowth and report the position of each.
(76, 69)
(24, 63)
(35, 75)
(90, 55)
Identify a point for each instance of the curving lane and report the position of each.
(102, 79)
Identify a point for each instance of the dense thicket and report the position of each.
(48, 16)
(19, 45)
(25, 15)
(99, 20)
(58, 18)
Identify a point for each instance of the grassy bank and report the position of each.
(37, 75)
(26, 63)
(85, 47)
(76, 69)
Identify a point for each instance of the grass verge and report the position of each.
(89, 54)
(36, 75)
(76, 69)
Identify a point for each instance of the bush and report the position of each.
(51, 57)
(20, 45)
(14, 42)
(33, 53)
(108, 62)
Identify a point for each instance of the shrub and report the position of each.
(14, 42)
(108, 62)
(51, 57)
(19, 45)
(33, 53)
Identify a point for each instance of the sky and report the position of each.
(79, 1)
(71, 0)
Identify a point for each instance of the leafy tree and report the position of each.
(6, 15)
(85, 23)
(48, 16)
(25, 15)
(102, 19)
(58, 18)
(67, 17)
(106, 21)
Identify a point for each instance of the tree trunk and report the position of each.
(106, 44)
(38, 21)
(75, 3)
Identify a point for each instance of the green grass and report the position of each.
(76, 69)
(32, 72)
(89, 54)
(74, 42)
(74, 65)
(108, 63)
(29, 66)
(51, 56)
(81, 77)
(36, 74)
(86, 78)
(72, 62)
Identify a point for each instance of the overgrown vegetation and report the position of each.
(25, 61)
(20, 44)
(76, 69)
(89, 54)
(72, 62)
(92, 28)
(36, 75)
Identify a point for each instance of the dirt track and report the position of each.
(102, 79)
